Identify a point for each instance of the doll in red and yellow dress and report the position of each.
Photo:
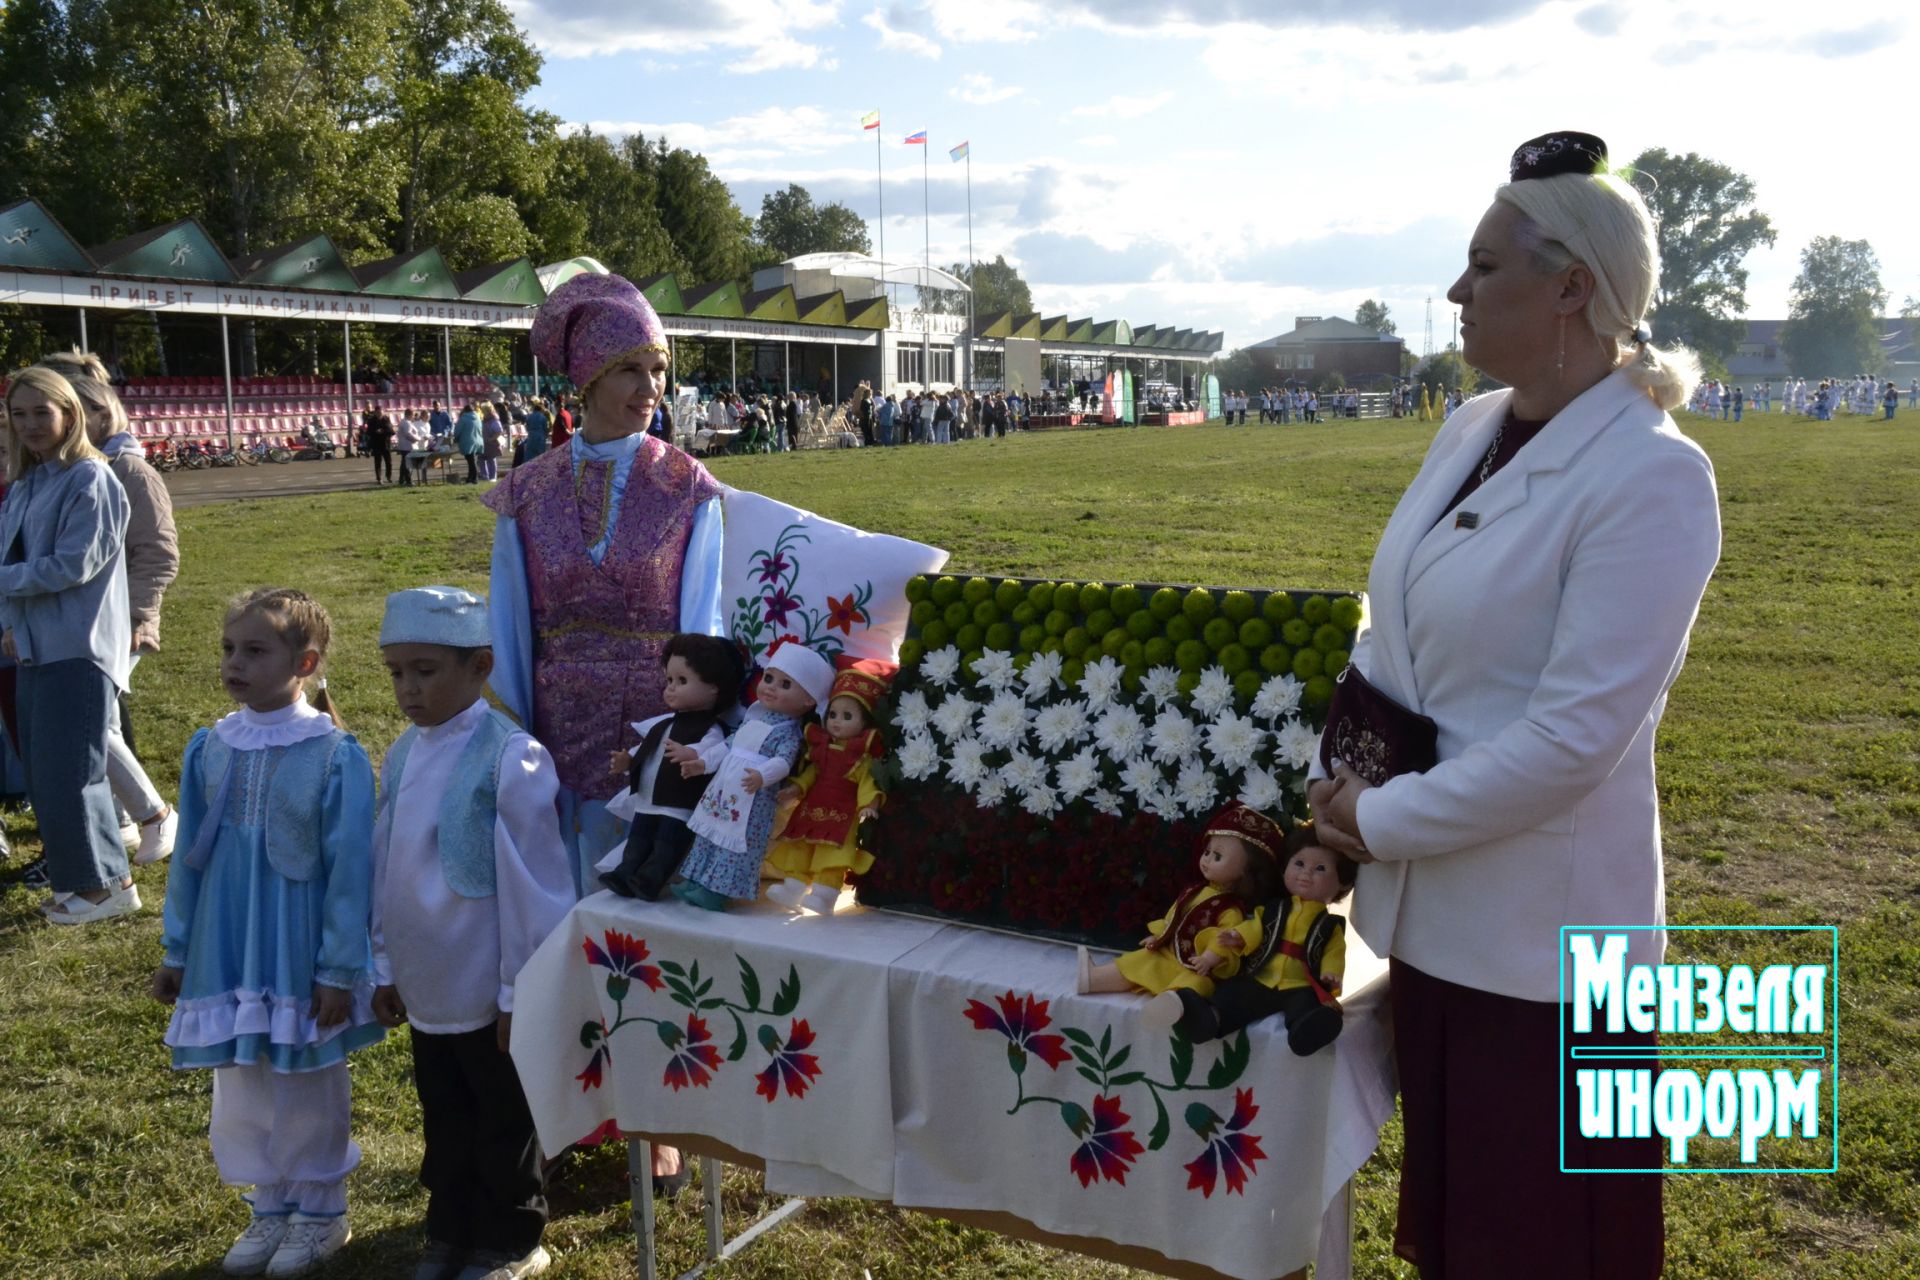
(1210, 926)
(833, 795)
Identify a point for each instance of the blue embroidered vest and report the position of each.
(280, 789)
(468, 807)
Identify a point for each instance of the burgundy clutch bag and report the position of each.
(1373, 735)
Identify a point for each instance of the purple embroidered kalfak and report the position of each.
(598, 629)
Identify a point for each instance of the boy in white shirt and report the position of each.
(469, 877)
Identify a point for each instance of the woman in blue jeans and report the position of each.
(64, 617)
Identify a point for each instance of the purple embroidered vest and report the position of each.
(598, 629)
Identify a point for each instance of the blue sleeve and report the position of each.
(510, 614)
(701, 605)
(346, 858)
(90, 535)
(183, 882)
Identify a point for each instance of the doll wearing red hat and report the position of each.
(1213, 924)
(834, 794)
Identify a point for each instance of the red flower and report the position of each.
(778, 605)
(623, 956)
(594, 1036)
(772, 565)
(694, 1059)
(1106, 1147)
(844, 613)
(1230, 1151)
(791, 1067)
(1021, 1021)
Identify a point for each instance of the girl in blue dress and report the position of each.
(266, 930)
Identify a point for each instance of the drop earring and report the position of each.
(1560, 357)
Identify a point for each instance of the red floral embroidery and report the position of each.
(790, 1067)
(1021, 1021)
(1230, 1152)
(623, 956)
(694, 1059)
(1107, 1148)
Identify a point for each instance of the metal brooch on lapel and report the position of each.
(1467, 520)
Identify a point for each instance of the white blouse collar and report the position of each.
(619, 447)
(456, 725)
(250, 730)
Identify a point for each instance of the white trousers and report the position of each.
(285, 1135)
(133, 791)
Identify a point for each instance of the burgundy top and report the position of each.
(1513, 437)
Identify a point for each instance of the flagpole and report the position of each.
(926, 205)
(880, 192)
(969, 262)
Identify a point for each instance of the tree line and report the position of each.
(388, 125)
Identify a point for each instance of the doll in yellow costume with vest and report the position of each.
(832, 795)
(1203, 936)
(1293, 967)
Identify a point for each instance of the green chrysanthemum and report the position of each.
(1165, 603)
(1345, 613)
(1219, 633)
(1124, 600)
(917, 588)
(945, 590)
(1188, 682)
(986, 613)
(911, 651)
(1190, 655)
(1141, 624)
(1114, 641)
(1101, 621)
(1159, 651)
(1234, 659)
(958, 614)
(1246, 686)
(1040, 596)
(1316, 609)
(1307, 664)
(1335, 662)
(1276, 659)
(1093, 597)
(1023, 613)
(1256, 633)
(1277, 608)
(936, 634)
(976, 590)
(1076, 641)
(1327, 637)
(1199, 605)
(1066, 597)
(923, 613)
(1296, 632)
(970, 637)
(1238, 606)
(1000, 636)
(1058, 622)
(1009, 595)
(1133, 654)
(1180, 629)
(1319, 691)
(1071, 672)
(1032, 636)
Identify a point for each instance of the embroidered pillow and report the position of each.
(839, 589)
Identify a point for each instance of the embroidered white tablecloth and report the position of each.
(766, 1031)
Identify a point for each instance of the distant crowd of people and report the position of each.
(1862, 395)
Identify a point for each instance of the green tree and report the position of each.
(1445, 371)
(791, 224)
(1833, 313)
(1706, 224)
(1374, 315)
(710, 235)
(595, 202)
(996, 285)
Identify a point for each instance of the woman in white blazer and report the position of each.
(1532, 593)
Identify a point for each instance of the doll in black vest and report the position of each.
(703, 679)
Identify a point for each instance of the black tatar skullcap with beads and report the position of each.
(1552, 154)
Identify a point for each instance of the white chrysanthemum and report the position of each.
(1295, 742)
(1173, 737)
(911, 714)
(1060, 725)
(1107, 802)
(1077, 776)
(1121, 733)
(1101, 683)
(918, 756)
(992, 791)
(1161, 685)
(1042, 674)
(1041, 802)
(954, 717)
(1278, 698)
(967, 765)
(1196, 788)
(1214, 693)
(1163, 804)
(1003, 721)
(994, 669)
(940, 666)
(1141, 776)
(1023, 772)
(1233, 740)
(1260, 790)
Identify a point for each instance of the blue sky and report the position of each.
(1232, 164)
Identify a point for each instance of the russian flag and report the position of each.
(917, 139)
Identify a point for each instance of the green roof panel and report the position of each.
(420, 274)
(32, 240)
(663, 291)
(1079, 331)
(776, 304)
(823, 308)
(1054, 329)
(720, 300)
(313, 263)
(869, 313)
(178, 251)
(513, 283)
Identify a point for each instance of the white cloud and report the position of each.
(771, 134)
(903, 29)
(1125, 106)
(759, 35)
(981, 91)
(1098, 140)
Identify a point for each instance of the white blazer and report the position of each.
(1543, 640)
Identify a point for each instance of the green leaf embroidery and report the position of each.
(1078, 1036)
(787, 998)
(1182, 1059)
(1157, 1138)
(749, 984)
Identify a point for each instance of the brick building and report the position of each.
(1318, 346)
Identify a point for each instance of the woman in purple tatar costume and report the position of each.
(604, 547)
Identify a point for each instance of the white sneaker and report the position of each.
(1082, 970)
(156, 837)
(821, 899)
(130, 833)
(498, 1266)
(255, 1247)
(77, 910)
(788, 892)
(308, 1243)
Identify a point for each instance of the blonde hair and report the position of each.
(1600, 221)
(297, 619)
(74, 444)
(90, 378)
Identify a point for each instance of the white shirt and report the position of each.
(454, 958)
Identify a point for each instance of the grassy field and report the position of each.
(1790, 779)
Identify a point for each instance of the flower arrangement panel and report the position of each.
(767, 1034)
(1064, 1110)
(1057, 747)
